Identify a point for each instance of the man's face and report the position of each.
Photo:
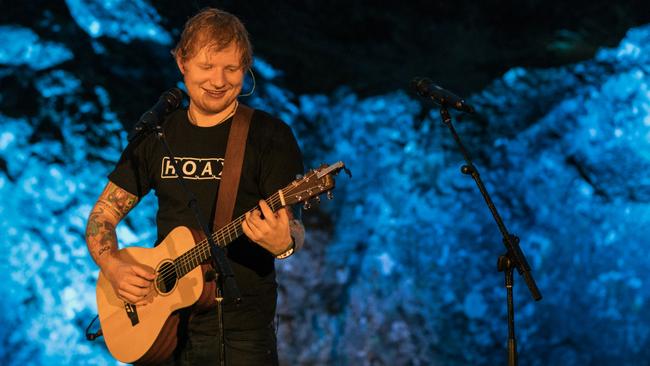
(213, 78)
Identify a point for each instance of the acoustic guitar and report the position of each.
(147, 333)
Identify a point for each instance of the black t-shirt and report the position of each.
(272, 160)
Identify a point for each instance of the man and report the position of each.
(213, 55)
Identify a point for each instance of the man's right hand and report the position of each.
(131, 282)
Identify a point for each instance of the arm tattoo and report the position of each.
(112, 206)
(100, 234)
(103, 249)
(118, 200)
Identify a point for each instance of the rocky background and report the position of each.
(400, 269)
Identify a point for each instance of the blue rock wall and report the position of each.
(400, 269)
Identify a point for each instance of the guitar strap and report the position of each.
(225, 205)
(232, 166)
(227, 195)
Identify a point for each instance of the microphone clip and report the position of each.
(151, 120)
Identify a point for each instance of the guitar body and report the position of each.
(147, 334)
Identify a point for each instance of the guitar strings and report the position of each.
(202, 248)
(195, 253)
(194, 256)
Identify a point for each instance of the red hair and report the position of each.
(217, 29)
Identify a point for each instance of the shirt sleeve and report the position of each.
(131, 172)
(281, 161)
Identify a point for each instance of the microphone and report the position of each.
(427, 89)
(168, 102)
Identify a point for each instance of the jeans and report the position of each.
(201, 344)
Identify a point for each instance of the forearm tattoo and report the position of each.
(112, 206)
(119, 200)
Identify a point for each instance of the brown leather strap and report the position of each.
(232, 165)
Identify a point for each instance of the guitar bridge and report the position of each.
(132, 313)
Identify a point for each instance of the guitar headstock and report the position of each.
(312, 184)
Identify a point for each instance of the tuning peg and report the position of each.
(330, 195)
(306, 205)
(317, 199)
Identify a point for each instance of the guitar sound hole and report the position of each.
(166, 279)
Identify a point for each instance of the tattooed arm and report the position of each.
(131, 282)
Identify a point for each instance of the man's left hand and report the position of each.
(269, 230)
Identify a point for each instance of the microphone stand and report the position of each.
(226, 286)
(513, 257)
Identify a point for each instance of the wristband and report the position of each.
(287, 253)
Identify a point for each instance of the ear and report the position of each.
(179, 63)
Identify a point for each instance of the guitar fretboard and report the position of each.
(191, 259)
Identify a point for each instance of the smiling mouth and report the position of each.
(215, 94)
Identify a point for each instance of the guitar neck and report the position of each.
(300, 190)
(222, 237)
